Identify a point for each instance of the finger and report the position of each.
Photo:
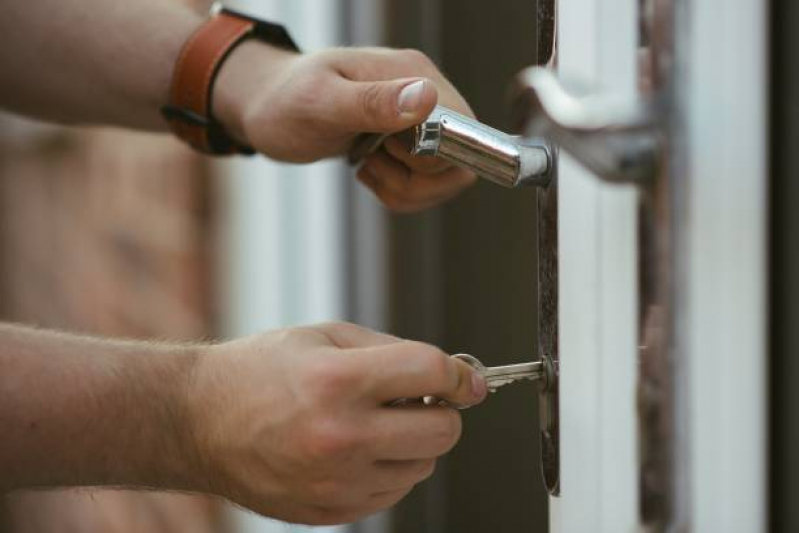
(472, 388)
(415, 187)
(381, 106)
(399, 204)
(390, 497)
(386, 197)
(377, 186)
(415, 432)
(382, 501)
(385, 64)
(365, 177)
(346, 335)
(390, 476)
(427, 164)
(433, 202)
(385, 168)
(371, 504)
(413, 369)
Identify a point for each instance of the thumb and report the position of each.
(471, 388)
(385, 106)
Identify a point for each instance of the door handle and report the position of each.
(508, 160)
(614, 138)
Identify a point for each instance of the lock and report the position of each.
(549, 427)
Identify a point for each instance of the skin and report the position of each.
(294, 424)
(82, 62)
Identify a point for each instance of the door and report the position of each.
(597, 43)
(661, 281)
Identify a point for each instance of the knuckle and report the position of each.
(390, 499)
(329, 440)
(371, 101)
(408, 189)
(415, 57)
(448, 431)
(435, 363)
(426, 470)
(335, 325)
(330, 378)
(350, 328)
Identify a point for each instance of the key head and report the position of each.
(492, 382)
(472, 361)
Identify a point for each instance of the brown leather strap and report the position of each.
(189, 110)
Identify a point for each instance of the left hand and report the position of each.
(303, 108)
(299, 425)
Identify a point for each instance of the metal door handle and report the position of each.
(614, 138)
(505, 159)
(508, 160)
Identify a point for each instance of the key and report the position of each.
(496, 377)
(499, 376)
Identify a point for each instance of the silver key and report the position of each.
(498, 376)
(495, 376)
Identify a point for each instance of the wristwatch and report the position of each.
(189, 112)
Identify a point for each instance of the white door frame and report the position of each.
(598, 313)
(720, 289)
(725, 264)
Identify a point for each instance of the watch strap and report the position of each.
(189, 112)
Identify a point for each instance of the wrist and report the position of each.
(245, 76)
(188, 418)
(205, 403)
(160, 383)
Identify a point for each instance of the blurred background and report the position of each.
(119, 233)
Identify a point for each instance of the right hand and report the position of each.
(296, 424)
(306, 107)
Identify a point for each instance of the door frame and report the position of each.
(718, 341)
(598, 313)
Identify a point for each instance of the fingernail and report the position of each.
(479, 388)
(410, 97)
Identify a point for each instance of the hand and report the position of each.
(297, 425)
(302, 108)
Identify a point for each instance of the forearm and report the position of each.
(82, 411)
(92, 61)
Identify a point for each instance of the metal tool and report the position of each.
(507, 160)
(496, 377)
